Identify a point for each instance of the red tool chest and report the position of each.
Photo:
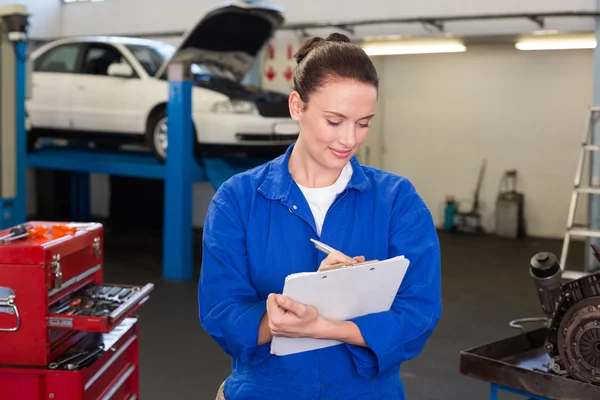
(65, 333)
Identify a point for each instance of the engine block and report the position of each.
(574, 339)
(573, 311)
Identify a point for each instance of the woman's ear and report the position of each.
(296, 105)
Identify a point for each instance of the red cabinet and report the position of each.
(55, 307)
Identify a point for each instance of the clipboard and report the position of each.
(342, 293)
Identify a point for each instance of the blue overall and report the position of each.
(257, 232)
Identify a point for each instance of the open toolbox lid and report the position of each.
(60, 238)
(68, 252)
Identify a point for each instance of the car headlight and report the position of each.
(234, 107)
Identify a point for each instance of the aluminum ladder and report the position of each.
(587, 146)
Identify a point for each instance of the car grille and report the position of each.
(279, 109)
(258, 137)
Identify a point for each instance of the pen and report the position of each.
(322, 246)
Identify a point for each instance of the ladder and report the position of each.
(587, 146)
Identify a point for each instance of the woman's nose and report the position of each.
(348, 138)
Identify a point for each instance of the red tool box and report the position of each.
(64, 333)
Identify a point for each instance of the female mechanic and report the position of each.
(257, 232)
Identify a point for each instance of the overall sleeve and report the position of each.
(229, 306)
(401, 333)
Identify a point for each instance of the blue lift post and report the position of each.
(177, 234)
(14, 210)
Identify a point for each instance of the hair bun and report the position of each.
(338, 37)
(307, 47)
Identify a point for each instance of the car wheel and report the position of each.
(157, 135)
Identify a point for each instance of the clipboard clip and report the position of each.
(334, 267)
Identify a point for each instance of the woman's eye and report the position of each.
(364, 125)
(333, 123)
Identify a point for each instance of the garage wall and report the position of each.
(45, 16)
(146, 16)
(445, 113)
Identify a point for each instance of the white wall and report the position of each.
(44, 18)
(144, 16)
(444, 114)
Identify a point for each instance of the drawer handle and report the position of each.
(57, 271)
(96, 245)
(8, 306)
(132, 301)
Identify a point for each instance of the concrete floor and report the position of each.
(485, 285)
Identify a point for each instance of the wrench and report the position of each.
(55, 365)
(79, 363)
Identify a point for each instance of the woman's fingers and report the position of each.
(336, 258)
(359, 258)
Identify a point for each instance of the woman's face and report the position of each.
(335, 121)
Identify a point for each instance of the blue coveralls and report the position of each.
(257, 232)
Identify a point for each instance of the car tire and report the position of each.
(157, 135)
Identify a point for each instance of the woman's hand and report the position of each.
(336, 258)
(289, 318)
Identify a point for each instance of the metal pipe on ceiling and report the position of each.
(437, 22)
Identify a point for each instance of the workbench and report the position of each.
(520, 365)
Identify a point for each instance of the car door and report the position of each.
(52, 84)
(104, 103)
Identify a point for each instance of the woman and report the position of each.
(257, 232)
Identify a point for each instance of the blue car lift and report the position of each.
(179, 172)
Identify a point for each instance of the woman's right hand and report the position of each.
(336, 258)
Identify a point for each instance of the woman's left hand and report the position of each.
(289, 318)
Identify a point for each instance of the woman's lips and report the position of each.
(341, 153)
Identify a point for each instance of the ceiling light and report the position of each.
(545, 32)
(555, 42)
(412, 47)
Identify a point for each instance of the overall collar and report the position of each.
(278, 182)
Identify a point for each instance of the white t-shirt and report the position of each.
(320, 199)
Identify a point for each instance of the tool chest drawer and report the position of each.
(97, 307)
(100, 366)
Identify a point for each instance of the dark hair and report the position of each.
(321, 60)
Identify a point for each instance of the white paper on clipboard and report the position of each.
(342, 294)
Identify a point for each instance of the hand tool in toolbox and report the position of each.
(57, 284)
(97, 366)
(22, 232)
(15, 233)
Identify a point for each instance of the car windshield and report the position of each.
(152, 57)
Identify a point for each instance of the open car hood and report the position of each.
(230, 36)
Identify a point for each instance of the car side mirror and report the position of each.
(123, 70)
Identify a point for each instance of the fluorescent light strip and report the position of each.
(550, 44)
(399, 49)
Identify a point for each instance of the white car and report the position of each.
(114, 90)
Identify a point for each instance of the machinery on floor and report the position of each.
(72, 336)
(573, 311)
(457, 220)
(558, 361)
